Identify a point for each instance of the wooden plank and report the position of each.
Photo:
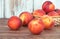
(7, 9)
(12, 7)
(38, 4)
(1, 8)
(29, 5)
(23, 5)
(16, 7)
(4, 8)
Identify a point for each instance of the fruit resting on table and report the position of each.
(36, 26)
(48, 21)
(14, 23)
(36, 22)
(26, 17)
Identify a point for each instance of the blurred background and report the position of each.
(9, 8)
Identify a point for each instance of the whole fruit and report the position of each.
(26, 17)
(58, 11)
(53, 13)
(14, 23)
(48, 6)
(48, 21)
(38, 13)
(36, 26)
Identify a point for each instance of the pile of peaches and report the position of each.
(37, 21)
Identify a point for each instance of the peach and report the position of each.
(14, 23)
(48, 21)
(58, 11)
(36, 26)
(26, 17)
(53, 13)
(48, 6)
(38, 13)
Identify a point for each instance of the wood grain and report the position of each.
(24, 33)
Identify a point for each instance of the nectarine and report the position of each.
(26, 17)
(48, 21)
(48, 6)
(14, 23)
(36, 26)
(58, 11)
(38, 13)
(53, 13)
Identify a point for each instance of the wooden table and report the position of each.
(24, 33)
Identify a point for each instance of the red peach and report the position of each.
(48, 21)
(38, 13)
(26, 17)
(48, 6)
(36, 26)
(14, 23)
(58, 11)
(53, 13)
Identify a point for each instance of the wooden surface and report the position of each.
(24, 33)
